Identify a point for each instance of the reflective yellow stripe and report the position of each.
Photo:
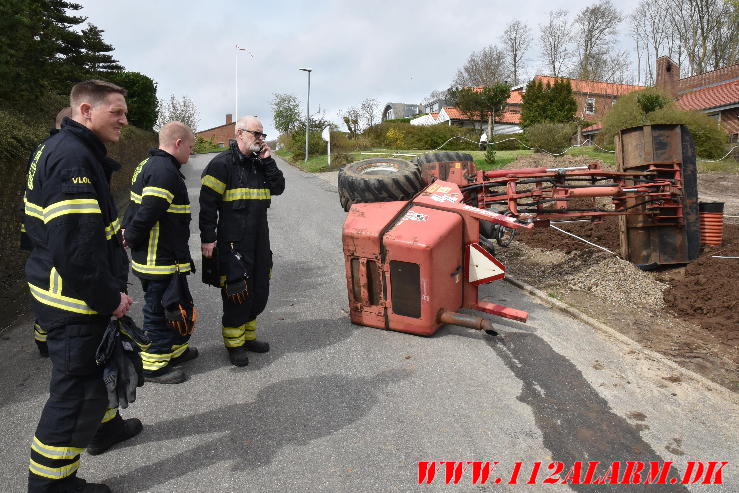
(179, 209)
(54, 472)
(58, 301)
(23, 228)
(77, 206)
(109, 414)
(162, 193)
(112, 229)
(55, 282)
(151, 253)
(33, 210)
(53, 452)
(160, 269)
(214, 184)
(135, 198)
(237, 336)
(247, 194)
(39, 333)
(156, 361)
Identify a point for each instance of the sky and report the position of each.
(392, 51)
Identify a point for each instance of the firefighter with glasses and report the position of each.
(237, 187)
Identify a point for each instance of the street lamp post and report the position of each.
(307, 113)
(236, 83)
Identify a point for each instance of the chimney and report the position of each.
(229, 119)
(668, 76)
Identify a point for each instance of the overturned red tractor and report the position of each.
(420, 237)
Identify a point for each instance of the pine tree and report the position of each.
(561, 105)
(532, 103)
(96, 58)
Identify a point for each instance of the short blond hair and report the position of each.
(64, 112)
(172, 131)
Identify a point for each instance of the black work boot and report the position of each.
(237, 356)
(82, 486)
(190, 353)
(166, 375)
(256, 346)
(43, 348)
(114, 431)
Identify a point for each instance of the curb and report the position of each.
(600, 326)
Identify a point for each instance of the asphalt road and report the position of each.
(339, 407)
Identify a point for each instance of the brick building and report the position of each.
(220, 135)
(715, 93)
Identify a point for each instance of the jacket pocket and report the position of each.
(81, 343)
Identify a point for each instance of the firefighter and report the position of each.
(39, 333)
(157, 230)
(237, 186)
(77, 274)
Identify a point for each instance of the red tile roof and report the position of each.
(710, 97)
(593, 128)
(505, 117)
(593, 86)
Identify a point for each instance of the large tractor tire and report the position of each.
(436, 164)
(378, 180)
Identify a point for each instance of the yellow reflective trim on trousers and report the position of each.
(151, 253)
(214, 184)
(237, 336)
(162, 193)
(54, 472)
(178, 349)
(53, 452)
(247, 194)
(76, 206)
(39, 334)
(112, 229)
(61, 302)
(33, 210)
(110, 413)
(55, 282)
(160, 269)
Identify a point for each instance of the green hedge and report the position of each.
(391, 135)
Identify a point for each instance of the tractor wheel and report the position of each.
(378, 180)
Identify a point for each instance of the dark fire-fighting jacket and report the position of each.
(157, 221)
(78, 265)
(234, 198)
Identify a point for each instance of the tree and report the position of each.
(181, 110)
(285, 112)
(548, 103)
(553, 38)
(533, 103)
(595, 30)
(95, 57)
(707, 30)
(351, 118)
(481, 103)
(369, 111)
(516, 40)
(484, 68)
(36, 43)
(141, 99)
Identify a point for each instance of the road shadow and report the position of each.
(287, 413)
(576, 423)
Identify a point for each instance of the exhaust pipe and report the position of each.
(464, 320)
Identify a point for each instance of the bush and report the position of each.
(203, 146)
(550, 137)
(629, 111)
(509, 142)
(295, 143)
(392, 135)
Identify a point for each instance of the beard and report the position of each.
(255, 147)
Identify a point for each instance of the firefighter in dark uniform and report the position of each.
(157, 230)
(77, 274)
(39, 333)
(237, 186)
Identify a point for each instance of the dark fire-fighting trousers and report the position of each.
(166, 343)
(240, 320)
(76, 407)
(39, 335)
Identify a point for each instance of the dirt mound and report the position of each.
(542, 160)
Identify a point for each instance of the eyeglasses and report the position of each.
(258, 135)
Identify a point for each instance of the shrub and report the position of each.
(490, 154)
(296, 144)
(394, 135)
(509, 142)
(629, 111)
(550, 137)
(203, 146)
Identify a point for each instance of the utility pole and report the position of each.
(307, 113)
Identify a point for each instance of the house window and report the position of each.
(590, 106)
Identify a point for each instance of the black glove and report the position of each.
(236, 287)
(179, 309)
(182, 318)
(110, 377)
